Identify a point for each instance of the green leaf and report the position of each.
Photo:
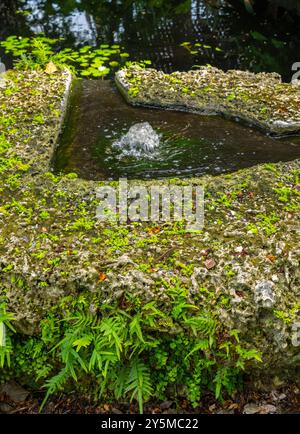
(2, 334)
(139, 383)
(258, 36)
(201, 346)
(84, 342)
(114, 64)
(135, 328)
(235, 333)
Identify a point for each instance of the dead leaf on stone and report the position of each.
(102, 277)
(51, 68)
(155, 230)
(210, 263)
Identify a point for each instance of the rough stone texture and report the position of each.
(259, 99)
(243, 266)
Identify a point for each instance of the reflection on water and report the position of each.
(155, 30)
(188, 144)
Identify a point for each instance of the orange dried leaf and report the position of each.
(102, 277)
(271, 258)
(155, 230)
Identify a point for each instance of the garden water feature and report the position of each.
(179, 35)
(233, 286)
(105, 138)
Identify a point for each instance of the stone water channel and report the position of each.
(103, 139)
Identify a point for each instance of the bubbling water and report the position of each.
(140, 140)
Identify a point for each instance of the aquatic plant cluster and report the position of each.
(139, 310)
(89, 62)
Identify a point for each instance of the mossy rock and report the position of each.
(260, 99)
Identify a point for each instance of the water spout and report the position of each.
(140, 140)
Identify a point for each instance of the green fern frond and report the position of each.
(200, 346)
(83, 319)
(135, 328)
(112, 329)
(2, 334)
(121, 382)
(82, 342)
(201, 324)
(5, 352)
(226, 378)
(139, 383)
(55, 384)
(5, 341)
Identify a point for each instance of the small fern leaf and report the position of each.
(2, 334)
(200, 346)
(84, 342)
(54, 384)
(139, 383)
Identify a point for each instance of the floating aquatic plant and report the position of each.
(90, 62)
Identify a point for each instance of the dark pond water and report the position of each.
(155, 29)
(189, 144)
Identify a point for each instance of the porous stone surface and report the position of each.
(243, 267)
(259, 99)
(264, 294)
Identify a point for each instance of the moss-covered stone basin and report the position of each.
(57, 259)
(259, 99)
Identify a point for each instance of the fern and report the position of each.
(201, 345)
(245, 355)
(111, 328)
(225, 377)
(204, 325)
(5, 341)
(5, 352)
(119, 348)
(2, 334)
(83, 320)
(82, 342)
(54, 384)
(121, 382)
(139, 383)
(100, 356)
(135, 328)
